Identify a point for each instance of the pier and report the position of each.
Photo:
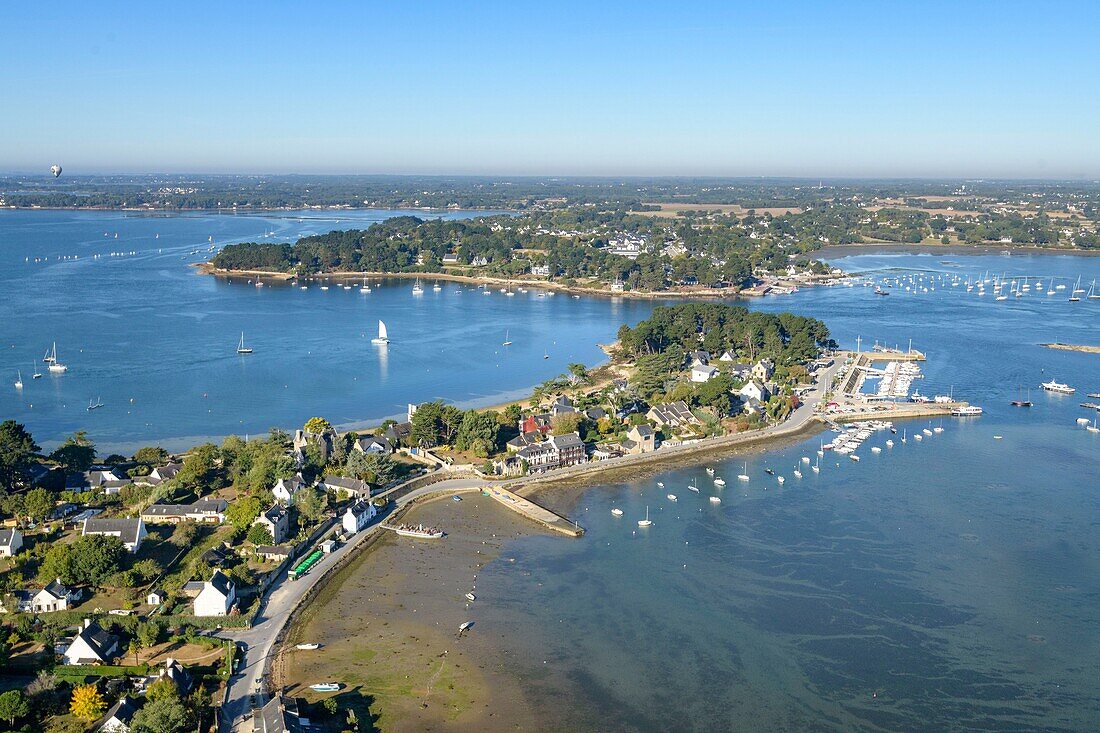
(899, 411)
(534, 512)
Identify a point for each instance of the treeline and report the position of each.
(716, 327)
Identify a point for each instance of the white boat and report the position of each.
(95, 405)
(660, 484)
(780, 479)
(35, 374)
(55, 366)
(324, 287)
(307, 647)
(507, 340)
(241, 348)
(671, 497)
(417, 287)
(325, 687)
(694, 486)
(715, 500)
(918, 437)
(710, 470)
(927, 432)
(1093, 428)
(419, 531)
(968, 411)
(744, 476)
(465, 626)
(805, 459)
(817, 466)
(437, 287)
(1082, 421)
(797, 473)
(876, 449)
(889, 444)
(719, 481)
(471, 597)
(1053, 386)
(647, 522)
(18, 380)
(854, 457)
(383, 335)
(364, 288)
(617, 512)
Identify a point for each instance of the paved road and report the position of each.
(282, 597)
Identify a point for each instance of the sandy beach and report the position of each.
(388, 626)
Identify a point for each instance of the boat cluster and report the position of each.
(849, 440)
(1000, 287)
(897, 379)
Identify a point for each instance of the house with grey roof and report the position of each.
(277, 521)
(346, 486)
(278, 715)
(91, 645)
(287, 488)
(673, 415)
(54, 597)
(211, 510)
(118, 717)
(372, 444)
(358, 516)
(11, 541)
(218, 596)
(130, 531)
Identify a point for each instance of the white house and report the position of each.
(753, 390)
(92, 645)
(11, 541)
(217, 597)
(358, 516)
(286, 488)
(727, 356)
(54, 597)
(703, 373)
(155, 597)
(119, 717)
(130, 531)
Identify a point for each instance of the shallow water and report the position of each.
(948, 584)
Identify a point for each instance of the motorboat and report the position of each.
(325, 687)
(617, 512)
(307, 647)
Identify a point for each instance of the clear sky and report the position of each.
(823, 88)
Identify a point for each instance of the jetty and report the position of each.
(534, 512)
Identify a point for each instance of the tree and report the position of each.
(152, 455)
(199, 471)
(478, 427)
(427, 424)
(149, 633)
(17, 449)
(135, 648)
(260, 535)
(242, 512)
(14, 705)
(38, 504)
(577, 373)
(88, 561)
(162, 689)
(311, 502)
(76, 454)
(568, 422)
(318, 426)
(166, 715)
(377, 469)
(87, 703)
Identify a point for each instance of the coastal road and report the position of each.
(276, 606)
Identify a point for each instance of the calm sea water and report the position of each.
(156, 342)
(950, 584)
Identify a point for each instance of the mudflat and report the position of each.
(388, 628)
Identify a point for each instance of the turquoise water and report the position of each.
(949, 584)
(157, 342)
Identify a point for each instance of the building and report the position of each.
(753, 390)
(155, 597)
(345, 486)
(703, 373)
(277, 521)
(286, 488)
(175, 673)
(204, 510)
(372, 444)
(11, 541)
(218, 596)
(92, 645)
(279, 715)
(275, 553)
(561, 405)
(536, 423)
(640, 439)
(399, 433)
(130, 531)
(118, 717)
(523, 440)
(673, 415)
(727, 356)
(763, 370)
(159, 475)
(698, 357)
(358, 516)
(54, 597)
(559, 451)
(540, 270)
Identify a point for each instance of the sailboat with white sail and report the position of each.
(507, 339)
(35, 374)
(383, 337)
(55, 366)
(418, 289)
(241, 348)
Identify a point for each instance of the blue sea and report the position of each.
(949, 584)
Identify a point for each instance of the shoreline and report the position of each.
(1079, 348)
(731, 293)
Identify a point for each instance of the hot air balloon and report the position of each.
(56, 170)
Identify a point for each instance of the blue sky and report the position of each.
(960, 89)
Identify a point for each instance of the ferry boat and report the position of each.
(967, 411)
(1053, 386)
(419, 531)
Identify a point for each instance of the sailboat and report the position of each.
(1023, 403)
(1093, 295)
(507, 341)
(647, 522)
(693, 486)
(417, 288)
(545, 354)
(95, 405)
(18, 380)
(744, 476)
(383, 336)
(55, 366)
(35, 374)
(1075, 296)
(437, 287)
(241, 348)
(817, 466)
(364, 288)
